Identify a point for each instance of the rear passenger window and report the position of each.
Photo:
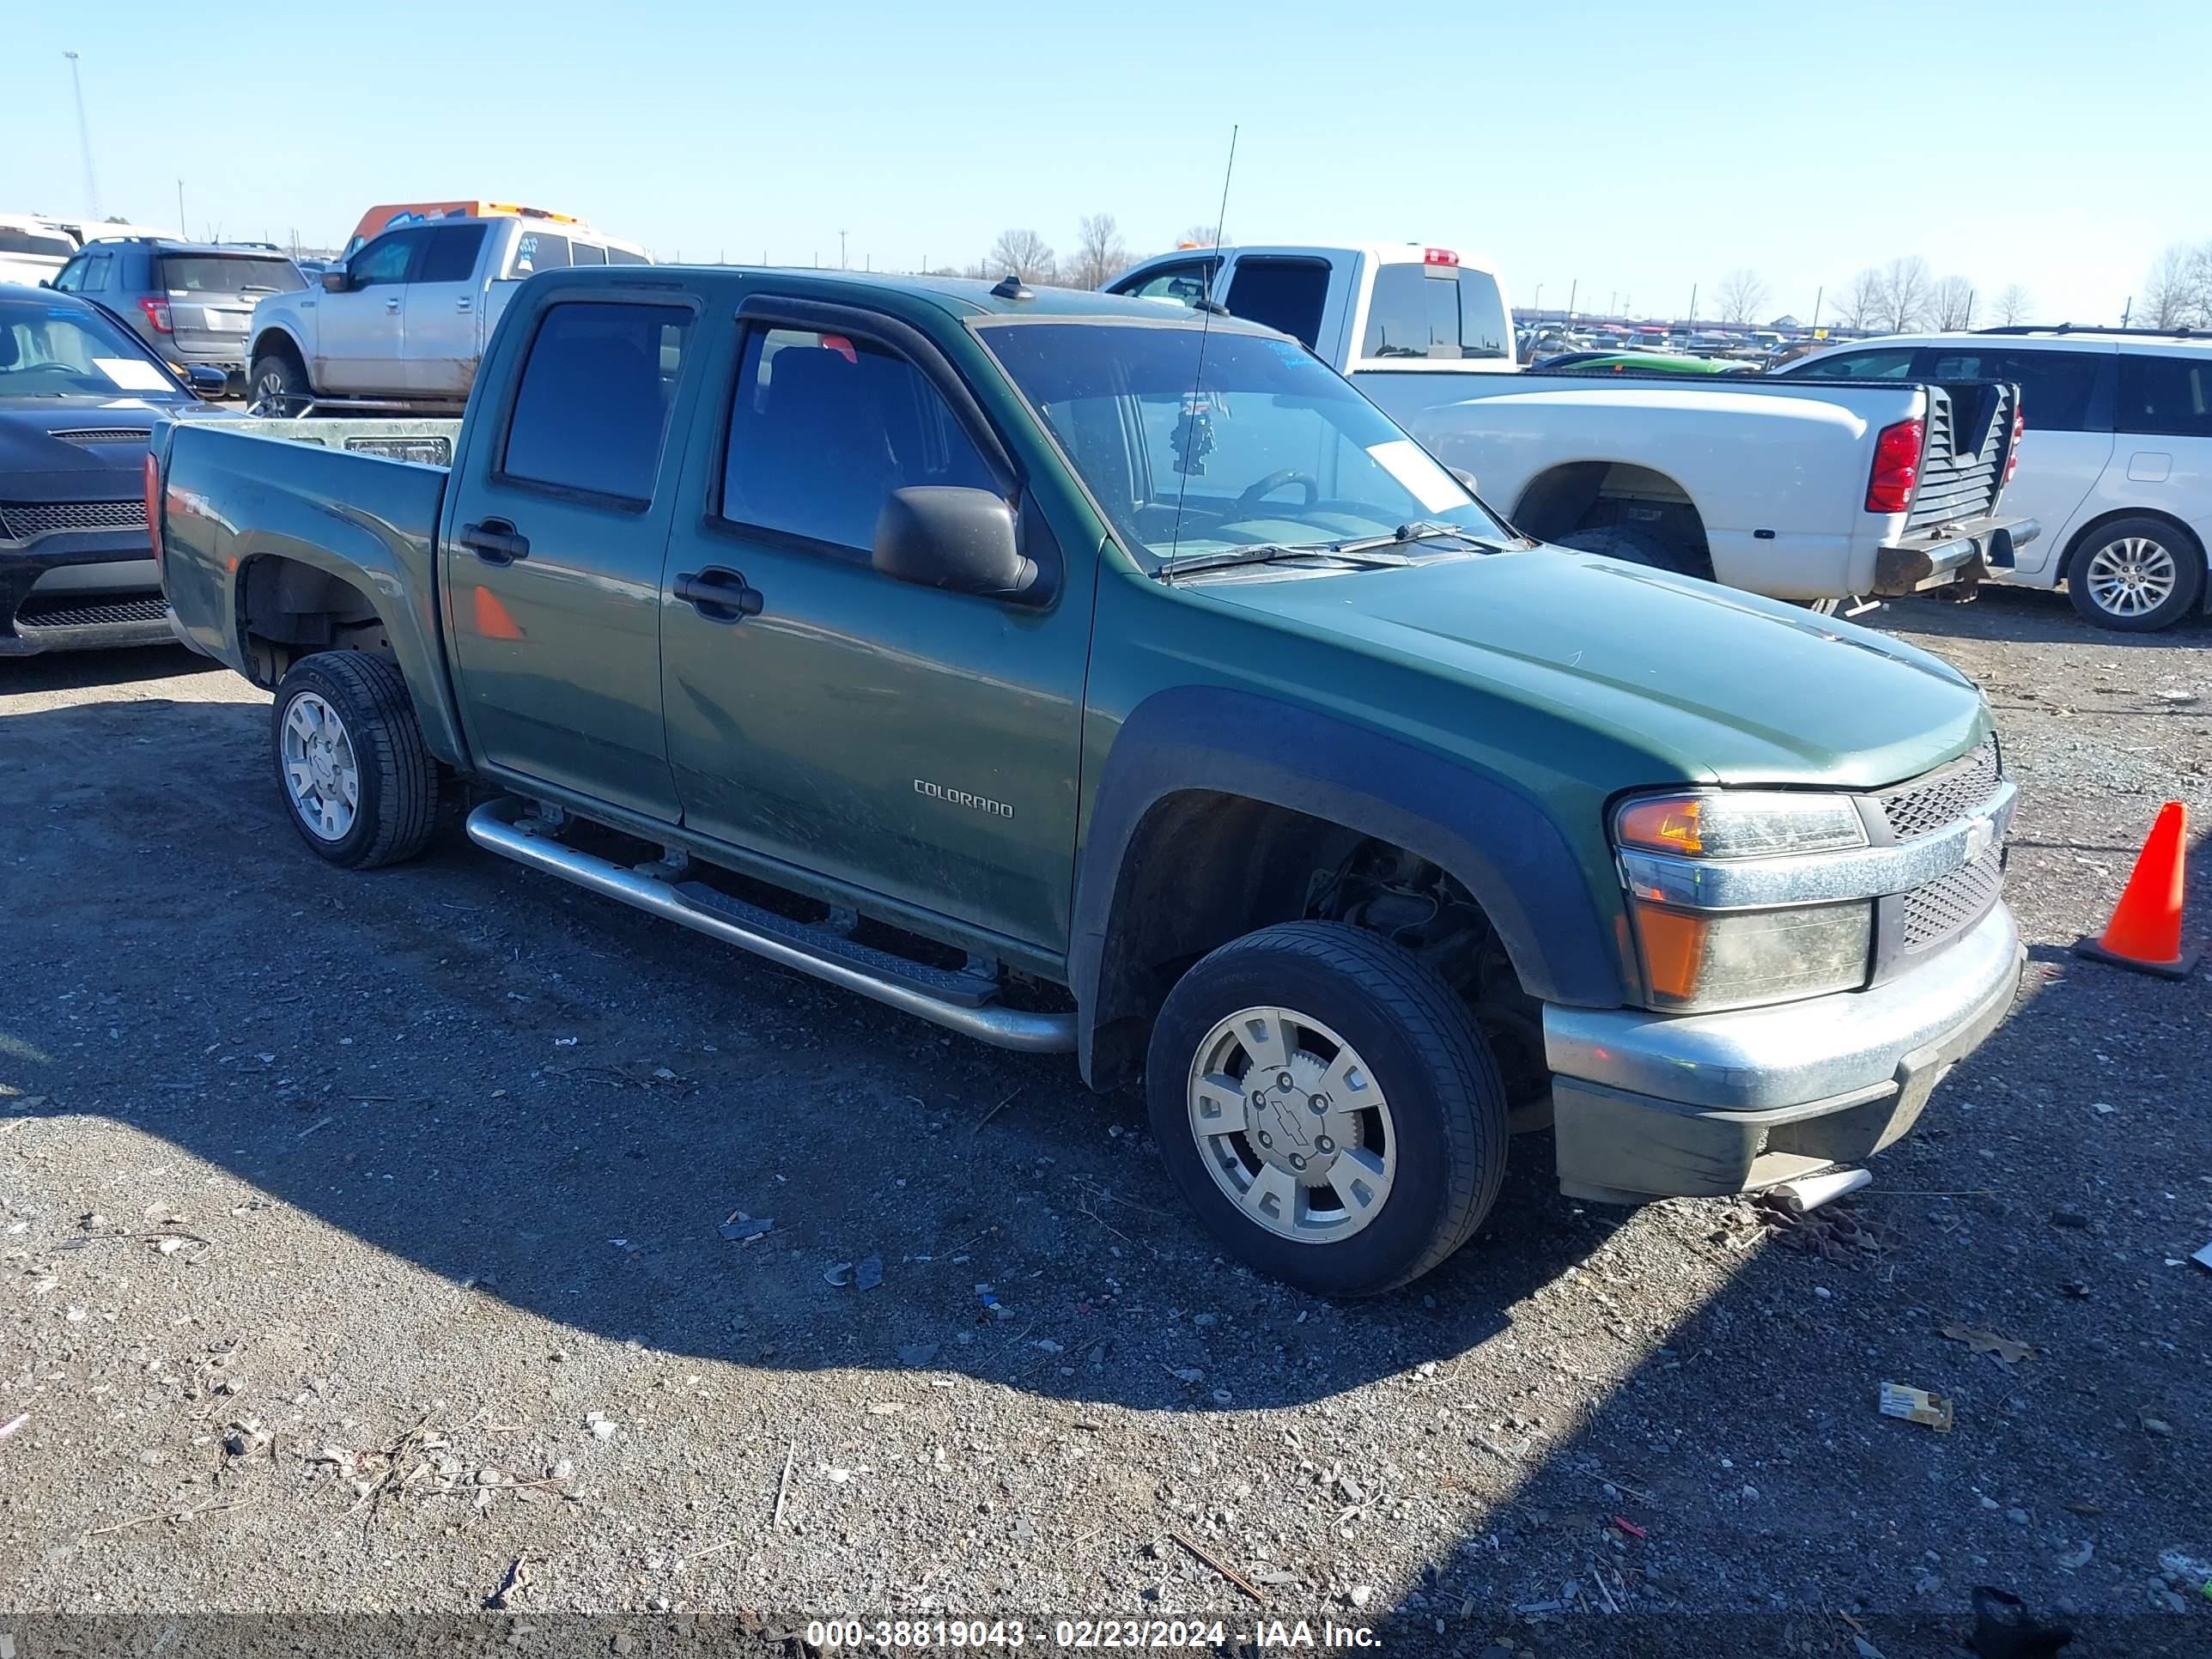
(2170, 397)
(618, 256)
(1413, 312)
(540, 250)
(824, 427)
(1281, 294)
(591, 409)
(587, 253)
(452, 253)
(2055, 386)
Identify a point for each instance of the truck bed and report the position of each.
(359, 498)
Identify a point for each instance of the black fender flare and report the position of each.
(1494, 838)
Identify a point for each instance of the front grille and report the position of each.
(105, 435)
(152, 610)
(1949, 904)
(1962, 467)
(23, 520)
(1943, 796)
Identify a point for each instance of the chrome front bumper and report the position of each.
(1651, 1105)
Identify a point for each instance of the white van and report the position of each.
(2117, 463)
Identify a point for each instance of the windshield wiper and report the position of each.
(1421, 530)
(1268, 553)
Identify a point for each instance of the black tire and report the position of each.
(2187, 558)
(397, 808)
(1632, 547)
(1446, 1101)
(277, 385)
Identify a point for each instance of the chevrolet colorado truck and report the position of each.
(1815, 494)
(1084, 675)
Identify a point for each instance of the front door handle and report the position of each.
(461, 304)
(494, 541)
(719, 595)
(392, 304)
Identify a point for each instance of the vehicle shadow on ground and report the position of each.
(75, 671)
(1739, 1466)
(516, 1084)
(2022, 615)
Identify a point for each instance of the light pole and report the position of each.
(841, 250)
(1539, 307)
(84, 141)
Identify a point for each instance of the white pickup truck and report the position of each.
(1812, 491)
(402, 324)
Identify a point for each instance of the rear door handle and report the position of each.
(719, 595)
(494, 541)
(392, 304)
(461, 304)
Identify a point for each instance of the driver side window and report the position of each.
(386, 260)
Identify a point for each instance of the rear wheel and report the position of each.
(1326, 1105)
(277, 385)
(356, 779)
(2136, 575)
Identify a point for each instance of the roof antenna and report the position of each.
(1012, 287)
(1195, 431)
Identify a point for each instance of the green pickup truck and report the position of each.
(1086, 675)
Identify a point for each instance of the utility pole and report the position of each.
(84, 140)
(181, 231)
(1539, 307)
(841, 250)
(1573, 289)
(1693, 304)
(1819, 294)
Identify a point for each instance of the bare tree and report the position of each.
(1100, 253)
(1907, 291)
(2012, 305)
(1022, 253)
(2172, 297)
(1199, 236)
(1953, 303)
(1861, 302)
(1741, 295)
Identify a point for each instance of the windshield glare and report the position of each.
(1268, 446)
(60, 351)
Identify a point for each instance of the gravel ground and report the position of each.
(362, 1241)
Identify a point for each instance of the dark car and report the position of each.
(192, 302)
(79, 395)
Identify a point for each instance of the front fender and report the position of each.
(1498, 842)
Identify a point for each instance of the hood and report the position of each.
(1711, 685)
(36, 466)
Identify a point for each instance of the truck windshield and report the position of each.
(1268, 447)
(70, 351)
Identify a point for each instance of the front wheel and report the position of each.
(278, 386)
(2136, 575)
(1326, 1105)
(357, 780)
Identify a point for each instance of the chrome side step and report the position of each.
(494, 827)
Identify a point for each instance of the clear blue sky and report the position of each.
(1638, 148)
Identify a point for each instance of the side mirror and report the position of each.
(961, 540)
(336, 280)
(207, 380)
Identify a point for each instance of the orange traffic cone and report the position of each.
(2145, 931)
